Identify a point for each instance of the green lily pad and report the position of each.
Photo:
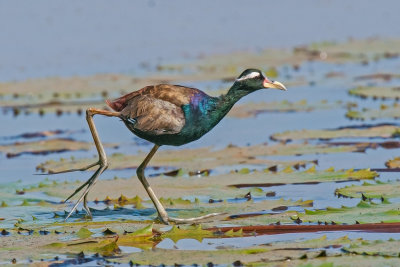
(239, 213)
(105, 247)
(253, 109)
(141, 238)
(228, 185)
(368, 190)
(344, 260)
(376, 92)
(383, 131)
(207, 158)
(378, 76)
(195, 232)
(84, 233)
(376, 248)
(45, 147)
(364, 212)
(269, 254)
(384, 112)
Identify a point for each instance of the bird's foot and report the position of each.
(89, 183)
(73, 170)
(188, 220)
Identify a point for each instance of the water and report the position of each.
(47, 38)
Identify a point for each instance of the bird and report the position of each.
(167, 114)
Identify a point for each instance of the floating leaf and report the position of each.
(383, 131)
(364, 212)
(109, 249)
(253, 109)
(377, 248)
(376, 92)
(142, 238)
(193, 232)
(378, 76)
(393, 163)
(206, 158)
(384, 112)
(44, 147)
(377, 191)
(234, 233)
(84, 233)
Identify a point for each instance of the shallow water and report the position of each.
(48, 38)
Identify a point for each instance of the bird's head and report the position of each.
(253, 79)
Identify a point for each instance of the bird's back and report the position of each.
(175, 94)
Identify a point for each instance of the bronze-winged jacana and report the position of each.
(168, 115)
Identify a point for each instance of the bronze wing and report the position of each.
(156, 109)
(155, 116)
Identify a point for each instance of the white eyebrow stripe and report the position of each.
(249, 76)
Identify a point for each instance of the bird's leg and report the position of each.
(102, 162)
(162, 213)
(89, 214)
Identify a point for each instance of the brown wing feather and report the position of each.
(176, 94)
(154, 115)
(156, 109)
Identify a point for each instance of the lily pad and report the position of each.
(41, 134)
(376, 92)
(253, 109)
(195, 232)
(393, 163)
(227, 187)
(84, 233)
(368, 131)
(378, 76)
(384, 112)
(45, 147)
(376, 248)
(312, 176)
(265, 255)
(207, 158)
(364, 212)
(368, 190)
(347, 259)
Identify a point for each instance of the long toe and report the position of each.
(195, 219)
